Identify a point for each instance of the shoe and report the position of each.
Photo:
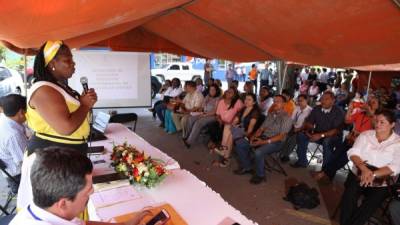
(187, 145)
(257, 180)
(298, 165)
(161, 125)
(285, 159)
(224, 163)
(241, 171)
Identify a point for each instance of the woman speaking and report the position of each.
(57, 114)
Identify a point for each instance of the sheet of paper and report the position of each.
(114, 196)
(110, 185)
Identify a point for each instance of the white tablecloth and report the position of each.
(191, 198)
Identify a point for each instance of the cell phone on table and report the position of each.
(163, 216)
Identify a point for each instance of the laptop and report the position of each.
(99, 126)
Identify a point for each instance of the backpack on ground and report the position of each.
(302, 196)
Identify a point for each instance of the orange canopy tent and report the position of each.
(335, 33)
(377, 76)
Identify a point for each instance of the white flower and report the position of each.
(142, 168)
(146, 174)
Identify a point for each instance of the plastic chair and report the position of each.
(273, 163)
(5, 220)
(11, 195)
(125, 118)
(314, 153)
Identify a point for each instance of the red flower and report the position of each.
(139, 159)
(159, 170)
(135, 172)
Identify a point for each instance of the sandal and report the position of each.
(225, 162)
(221, 150)
(211, 145)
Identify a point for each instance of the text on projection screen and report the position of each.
(121, 79)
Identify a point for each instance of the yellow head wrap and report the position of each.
(50, 50)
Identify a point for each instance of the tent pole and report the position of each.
(25, 74)
(369, 83)
(284, 77)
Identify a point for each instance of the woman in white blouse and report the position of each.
(379, 148)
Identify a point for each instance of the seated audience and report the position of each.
(227, 109)
(235, 84)
(218, 82)
(375, 155)
(322, 126)
(207, 87)
(245, 123)
(199, 85)
(289, 106)
(167, 84)
(265, 100)
(192, 102)
(13, 140)
(196, 122)
(342, 95)
(298, 117)
(304, 87)
(172, 92)
(268, 139)
(362, 120)
(61, 185)
(248, 88)
(313, 92)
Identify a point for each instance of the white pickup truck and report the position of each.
(183, 71)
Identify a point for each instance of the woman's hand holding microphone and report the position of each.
(89, 98)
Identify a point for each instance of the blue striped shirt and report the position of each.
(13, 142)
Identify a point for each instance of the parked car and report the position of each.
(11, 81)
(181, 70)
(155, 86)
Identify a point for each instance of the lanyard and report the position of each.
(32, 214)
(298, 114)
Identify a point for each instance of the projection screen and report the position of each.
(121, 79)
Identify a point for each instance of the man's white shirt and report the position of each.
(33, 215)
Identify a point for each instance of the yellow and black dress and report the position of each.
(44, 135)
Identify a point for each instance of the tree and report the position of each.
(3, 51)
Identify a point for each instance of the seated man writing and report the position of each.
(268, 139)
(61, 185)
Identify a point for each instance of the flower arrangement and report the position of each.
(139, 168)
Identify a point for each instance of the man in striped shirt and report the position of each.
(13, 139)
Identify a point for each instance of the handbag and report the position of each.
(237, 132)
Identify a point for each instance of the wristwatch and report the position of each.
(322, 135)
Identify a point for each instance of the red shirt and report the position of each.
(361, 121)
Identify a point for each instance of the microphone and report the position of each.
(84, 82)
